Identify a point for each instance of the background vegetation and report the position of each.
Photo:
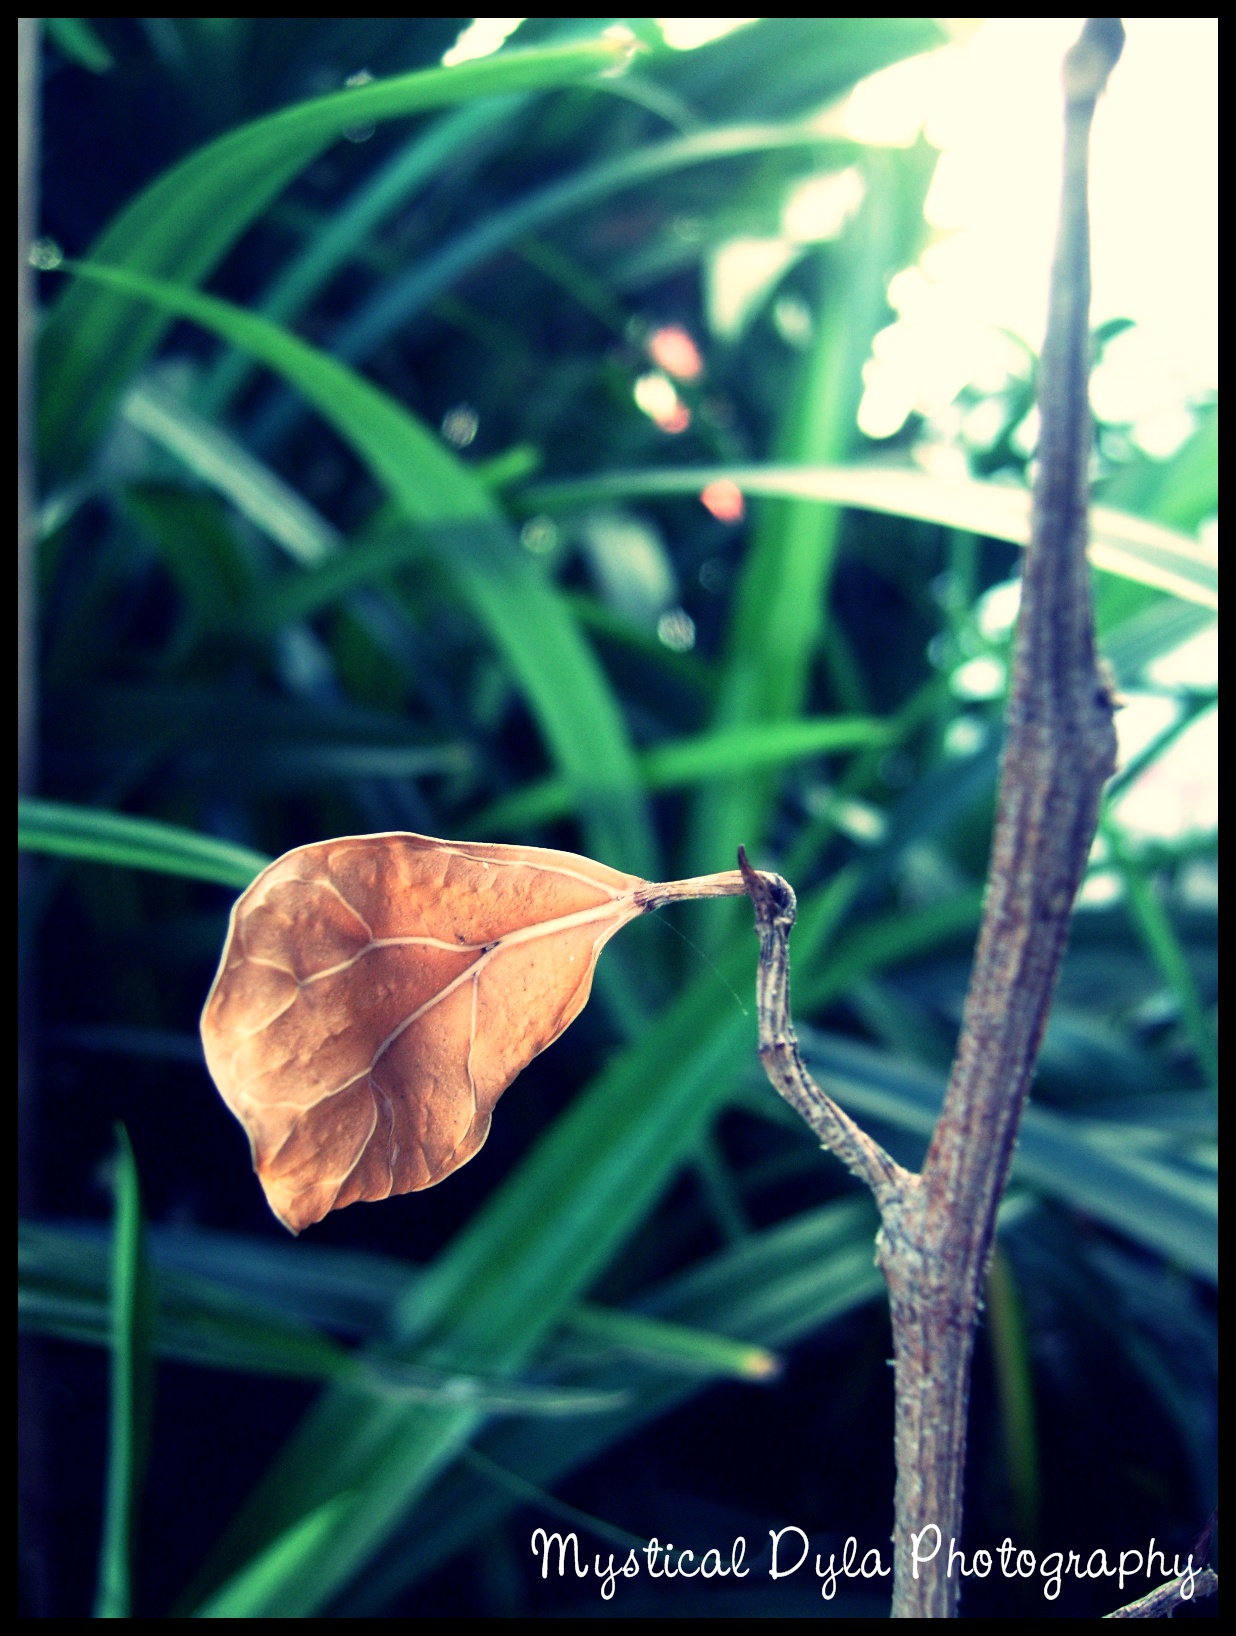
(403, 530)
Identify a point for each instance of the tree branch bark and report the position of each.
(937, 1227)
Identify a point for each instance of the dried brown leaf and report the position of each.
(378, 993)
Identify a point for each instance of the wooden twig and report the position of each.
(938, 1227)
(775, 907)
(1163, 1601)
(1193, 1585)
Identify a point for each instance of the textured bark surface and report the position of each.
(937, 1228)
(1060, 750)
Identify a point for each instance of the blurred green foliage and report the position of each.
(378, 536)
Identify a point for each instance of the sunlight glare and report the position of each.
(482, 37)
(992, 105)
(685, 33)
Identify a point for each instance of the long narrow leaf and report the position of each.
(97, 836)
(252, 1590)
(188, 218)
(1163, 946)
(227, 466)
(132, 1377)
(1121, 544)
(727, 753)
(514, 602)
(64, 1289)
(350, 227)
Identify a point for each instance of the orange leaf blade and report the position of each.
(378, 993)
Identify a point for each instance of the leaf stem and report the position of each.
(728, 884)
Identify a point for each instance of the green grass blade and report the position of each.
(248, 1595)
(675, 1347)
(132, 1379)
(188, 218)
(402, 299)
(348, 228)
(1159, 939)
(64, 1290)
(1132, 547)
(729, 752)
(1129, 645)
(259, 1307)
(887, 941)
(96, 836)
(80, 42)
(226, 466)
(1010, 1351)
(512, 599)
(783, 1283)
(778, 617)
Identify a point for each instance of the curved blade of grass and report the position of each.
(97, 836)
(80, 42)
(783, 1283)
(1011, 1357)
(403, 299)
(1166, 623)
(1121, 544)
(668, 1345)
(181, 226)
(1159, 939)
(511, 598)
(244, 1345)
(726, 753)
(225, 465)
(253, 1326)
(372, 204)
(778, 622)
(129, 1333)
(253, 1587)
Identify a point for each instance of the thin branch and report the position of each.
(1162, 1602)
(656, 894)
(775, 908)
(937, 1228)
(1060, 748)
(1194, 1584)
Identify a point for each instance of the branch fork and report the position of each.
(938, 1226)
